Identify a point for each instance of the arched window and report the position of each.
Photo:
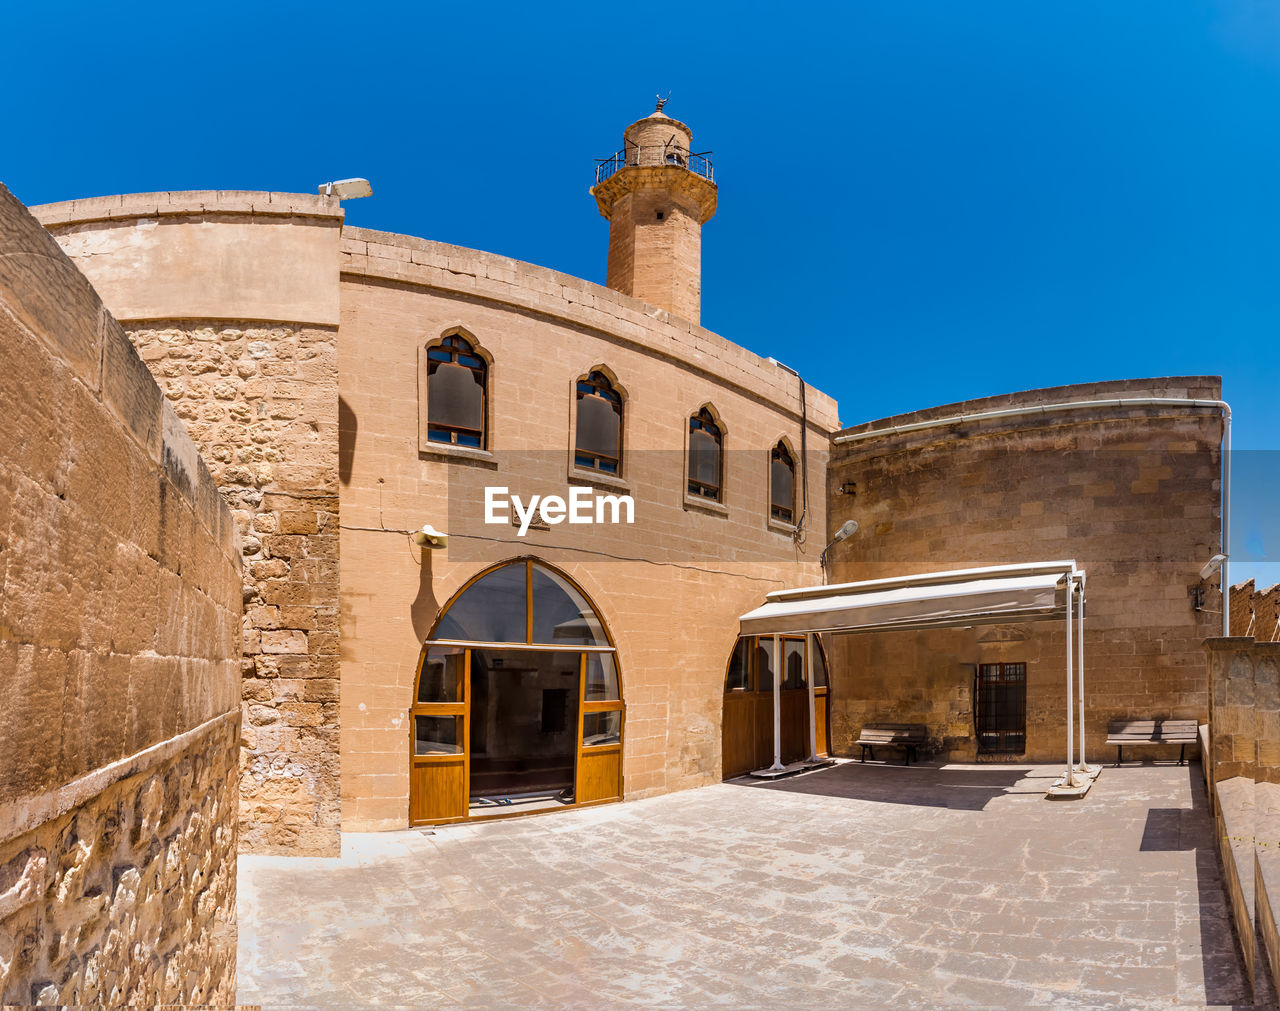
(782, 484)
(706, 457)
(457, 388)
(518, 701)
(598, 445)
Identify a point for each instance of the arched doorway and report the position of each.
(517, 701)
(746, 733)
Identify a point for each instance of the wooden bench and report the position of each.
(903, 735)
(1138, 733)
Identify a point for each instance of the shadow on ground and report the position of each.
(958, 788)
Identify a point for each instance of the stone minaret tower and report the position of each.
(657, 195)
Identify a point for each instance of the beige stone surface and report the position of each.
(670, 588)
(1131, 494)
(656, 207)
(130, 898)
(859, 886)
(1244, 753)
(118, 660)
(214, 255)
(261, 403)
(1256, 612)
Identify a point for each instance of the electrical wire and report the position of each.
(588, 551)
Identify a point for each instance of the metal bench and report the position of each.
(903, 735)
(1139, 733)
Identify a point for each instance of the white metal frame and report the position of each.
(1079, 774)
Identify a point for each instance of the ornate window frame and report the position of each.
(429, 446)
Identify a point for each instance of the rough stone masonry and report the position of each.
(119, 662)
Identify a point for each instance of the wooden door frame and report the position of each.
(468, 647)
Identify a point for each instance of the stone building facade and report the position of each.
(301, 353)
(119, 662)
(238, 301)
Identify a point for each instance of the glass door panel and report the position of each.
(523, 738)
(599, 776)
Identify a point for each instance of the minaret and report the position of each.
(657, 195)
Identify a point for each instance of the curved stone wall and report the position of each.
(670, 588)
(1131, 493)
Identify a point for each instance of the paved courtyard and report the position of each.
(855, 886)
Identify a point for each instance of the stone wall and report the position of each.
(119, 624)
(1132, 494)
(1244, 708)
(129, 897)
(1254, 612)
(1244, 760)
(261, 402)
(232, 299)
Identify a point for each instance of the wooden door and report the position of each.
(439, 728)
(600, 720)
(738, 734)
(821, 717)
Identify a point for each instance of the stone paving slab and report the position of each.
(851, 886)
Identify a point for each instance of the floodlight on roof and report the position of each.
(346, 189)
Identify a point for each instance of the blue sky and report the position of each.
(919, 202)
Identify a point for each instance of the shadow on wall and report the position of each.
(423, 610)
(347, 426)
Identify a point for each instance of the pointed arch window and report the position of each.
(598, 441)
(782, 484)
(706, 456)
(457, 393)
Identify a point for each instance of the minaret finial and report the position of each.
(663, 101)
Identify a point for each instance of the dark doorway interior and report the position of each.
(1000, 708)
(524, 728)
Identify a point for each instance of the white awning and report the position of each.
(959, 597)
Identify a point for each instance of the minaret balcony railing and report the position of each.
(699, 163)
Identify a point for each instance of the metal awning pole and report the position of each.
(1080, 662)
(809, 646)
(777, 704)
(1084, 768)
(1069, 778)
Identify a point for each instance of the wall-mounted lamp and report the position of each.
(429, 537)
(848, 530)
(346, 189)
(1212, 566)
(849, 488)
